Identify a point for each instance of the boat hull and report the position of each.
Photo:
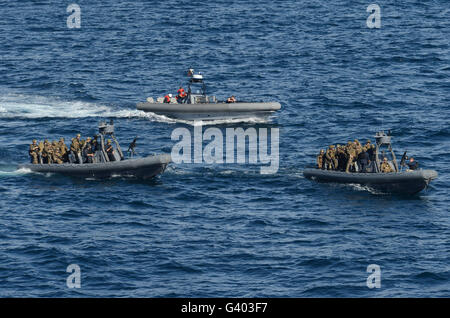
(145, 168)
(410, 182)
(210, 111)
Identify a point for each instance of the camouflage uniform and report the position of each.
(56, 156)
(330, 158)
(351, 155)
(34, 152)
(47, 153)
(63, 150)
(320, 159)
(385, 167)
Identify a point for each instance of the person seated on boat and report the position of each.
(89, 153)
(56, 156)
(34, 152)
(167, 98)
(330, 158)
(110, 150)
(320, 159)
(385, 166)
(181, 97)
(231, 99)
(412, 164)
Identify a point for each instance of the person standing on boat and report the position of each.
(181, 97)
(320, 159)
(110, 150)
(34, 152)
(363, 159)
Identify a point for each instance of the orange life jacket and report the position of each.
(181, 92)
(166, 99)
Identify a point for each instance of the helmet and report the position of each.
(170, 95)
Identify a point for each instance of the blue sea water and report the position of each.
(204, 230)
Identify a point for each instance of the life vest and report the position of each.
(166, 99)
(181, 92)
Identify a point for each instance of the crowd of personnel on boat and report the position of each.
(348, 158)
(57, 152)
(355, 157)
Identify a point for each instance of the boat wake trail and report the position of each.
(12, 171)
(165, 119)
(32, 107)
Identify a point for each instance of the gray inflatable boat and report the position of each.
(400, 182)
(197, 105)
(407, 182)
(106, 165)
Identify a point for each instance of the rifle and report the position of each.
(402, 162)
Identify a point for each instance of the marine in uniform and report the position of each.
(56, 155)
(330, 158)
(47, 153)
(34, 152)
(63, 150)
(320, 159)
(351, 155)
(385, 166)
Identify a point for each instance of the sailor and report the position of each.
(110, 150)
(385, 166)
(341, 157)
(412, 164)
(87, 142)
(231, 99)
(34, 152)
(181, 97)
(363, 159)
(89, 153)
(95, 144)
(320, 159)
(167, 98)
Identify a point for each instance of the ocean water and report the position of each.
(224, 230)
